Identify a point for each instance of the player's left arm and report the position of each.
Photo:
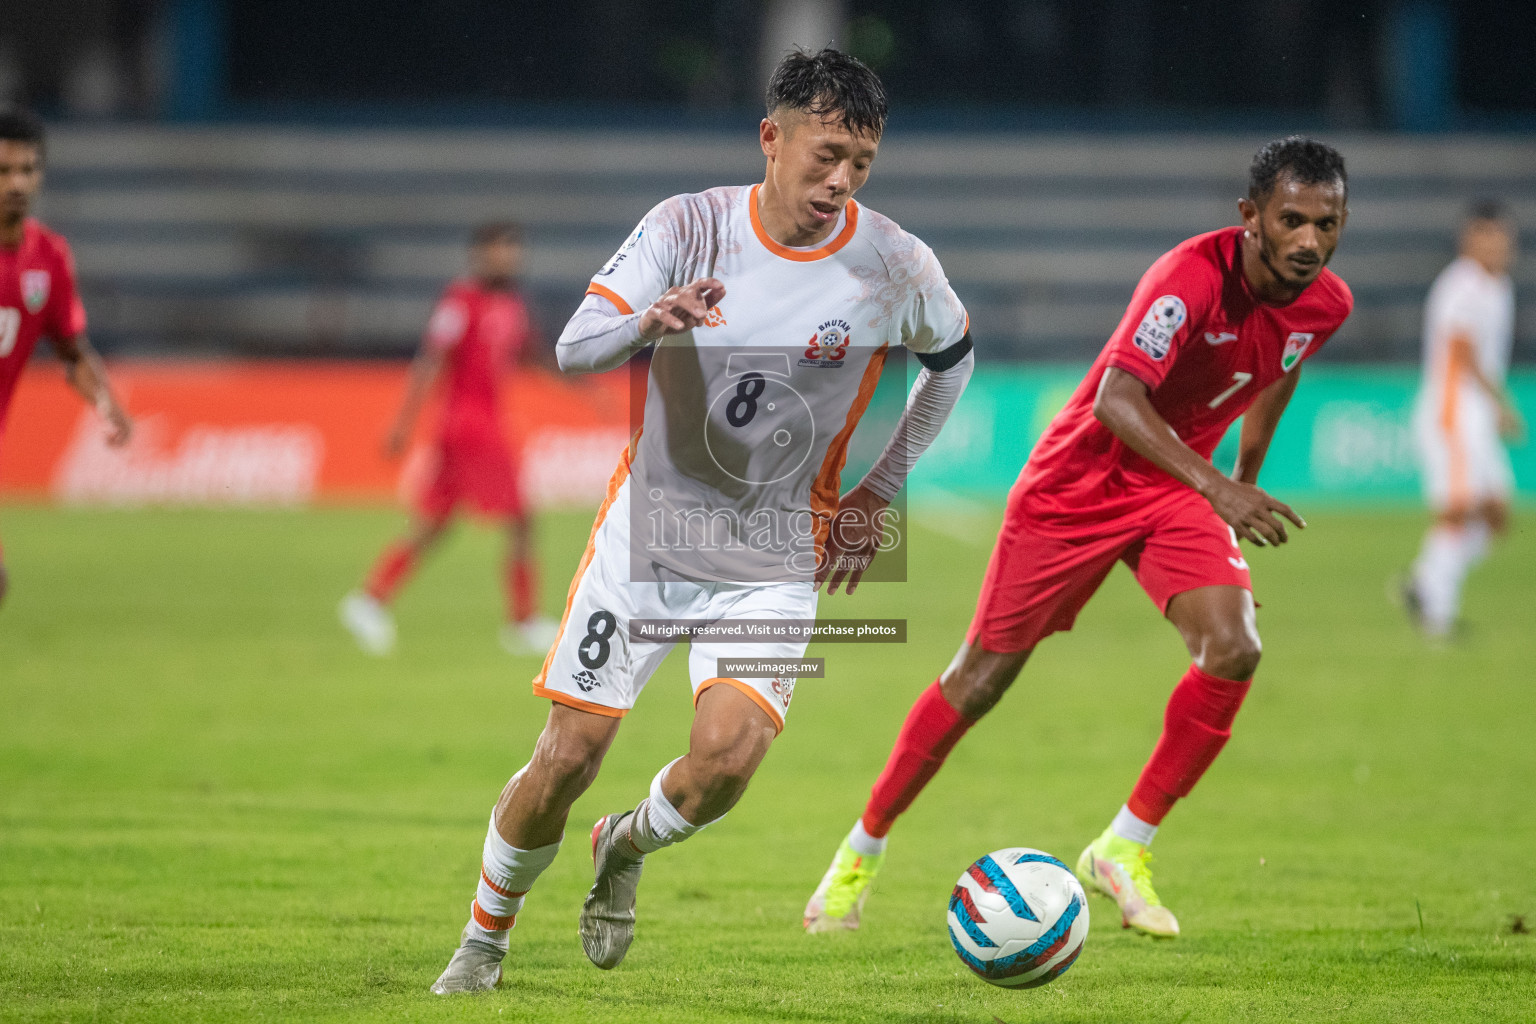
(87, 374)
(1463, 360)
(937, 331)
(1259, 423)
(858, 526)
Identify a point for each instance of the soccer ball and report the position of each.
(1018, 917)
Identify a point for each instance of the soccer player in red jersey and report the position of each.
(1219, 326)
(38, 298)
(479, 326)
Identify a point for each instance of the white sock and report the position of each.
(1475, 542)
(1127, 826)
(1438, 574)
(864, 844)
(506, 875)
(656, 823)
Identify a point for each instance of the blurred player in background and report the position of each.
(790, 271)
(480, 325)
(1218, 326)
(38, 298)
(1463, 416)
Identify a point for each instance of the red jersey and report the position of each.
(478, 330)
(1198, 338)
(37, 299)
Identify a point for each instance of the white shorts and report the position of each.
(1463, 467)
(595, 665)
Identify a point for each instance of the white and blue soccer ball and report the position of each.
(1018, 918)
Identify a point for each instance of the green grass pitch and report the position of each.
(212, 807)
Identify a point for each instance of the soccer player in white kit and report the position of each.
(1464, 415)
(772, 309)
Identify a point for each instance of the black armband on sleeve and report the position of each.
(945, 358)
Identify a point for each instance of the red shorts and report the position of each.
(479, 470)
(1043, 572)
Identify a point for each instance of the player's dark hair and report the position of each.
(1488, 208)
(17, 124)
(497, 231)
(1305, 161)
(830, 83)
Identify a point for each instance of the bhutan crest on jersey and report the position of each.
(34, 289)
(829, 345)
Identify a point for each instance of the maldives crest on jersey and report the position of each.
(829, 345)
(1154, 335)
(34, 289)
(1295, 347)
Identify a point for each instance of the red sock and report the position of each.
(521, 583)
(393, 566)
(1196, 726)
(931, 730)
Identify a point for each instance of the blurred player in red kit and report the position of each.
(1218, 327)
(480, 325)
(38, 298)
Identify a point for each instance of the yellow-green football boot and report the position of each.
(1118, 868)
(838, 899)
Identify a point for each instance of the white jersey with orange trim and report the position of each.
(719, 505)
(747, 420)
(1455, 420)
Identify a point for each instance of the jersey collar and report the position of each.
(850, 225)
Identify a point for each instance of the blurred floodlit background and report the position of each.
(296, 178)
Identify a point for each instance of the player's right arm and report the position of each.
(1124, 405)
(446, 328)
(638, 297)
(1175, 295)
(601, 336)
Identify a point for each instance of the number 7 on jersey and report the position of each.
(1239, 378)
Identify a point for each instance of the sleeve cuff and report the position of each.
(1140, 372)
(612, 296)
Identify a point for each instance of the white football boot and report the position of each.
(369, 622)
(475, 967)
(608, 914)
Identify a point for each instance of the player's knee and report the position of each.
(1231, 654)
(980, 679)
(726, 769)
(568, 763)
(1496, 515)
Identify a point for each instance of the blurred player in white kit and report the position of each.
(1464, 416)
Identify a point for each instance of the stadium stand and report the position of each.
(291, 241)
